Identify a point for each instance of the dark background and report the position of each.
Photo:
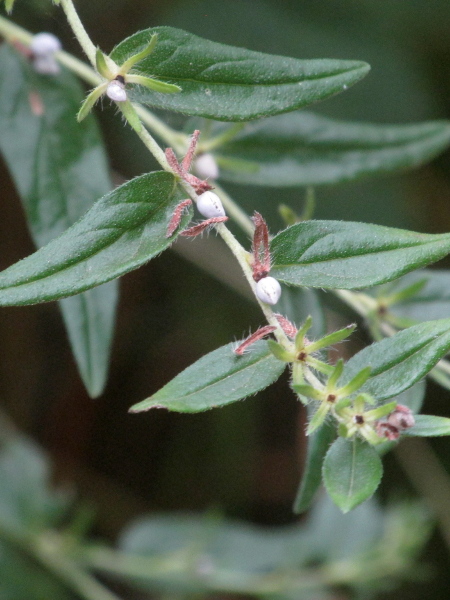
(246, 458)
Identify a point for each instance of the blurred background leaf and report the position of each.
(247, 457)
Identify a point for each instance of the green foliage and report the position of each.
(401, 360)
(302, 148)
(351, 472)
(232, 84)
(60, 169)
(217, 379)
(88, 236)
(122, 231)
(346, 255)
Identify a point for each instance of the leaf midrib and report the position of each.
(216, 381)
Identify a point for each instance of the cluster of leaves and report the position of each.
(88, 242)
(44, 552)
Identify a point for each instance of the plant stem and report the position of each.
(47, 549)
(242, 257)
(79, 30)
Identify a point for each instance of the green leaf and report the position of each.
(279, 352)
(154, 84)
(429, 426)
(60, 169)
(232, 84)
(318, 444)
(121, 232)
(217, 379)
(302, 148)
(400, 361)
(348, 255)
(352, 471)
(432, 301)
(101, 65)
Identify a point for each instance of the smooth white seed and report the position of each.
(206, 167)
(46, 65)
(116, 91)
(210, 205)
(268, 290)
(44, 44)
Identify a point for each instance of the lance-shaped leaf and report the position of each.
(429, 426)
(352, 471)
(301, 148)
(121, 232)
(431, 300)
(231, 84)
(401, 360)
(217, 379)
(60, 169)
(318, 444)
(349, 255)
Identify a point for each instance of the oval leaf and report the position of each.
(231, 84)
(401, 360)
(429, 426)
(352, 471)
(217, 379)
(60, 169)
(318, 444)
(348, 255)
(305, 149)
(121, 232)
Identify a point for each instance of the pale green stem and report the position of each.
(177, 140)
(242, 256)
(361, 303)
(234, 211)
(47, 550)
(222, 138)
(153, 146)
(79, 30)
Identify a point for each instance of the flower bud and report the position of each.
(401, 418)
(116, 91)
(45, 44)
(206, 167)
(268, 290)
(210, 205)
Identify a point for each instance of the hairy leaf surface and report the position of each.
(398, 362)
(352, 471)
(349, 255)
(121, 232)
(231, 84)
(217, 379)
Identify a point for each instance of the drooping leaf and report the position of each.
(318, 444)
(352, 471)
(429, 426)
(60, 169)
(121, 232)
(348, 255)
(398, 362)
(302, 148)
(228, 83)
(217, 379)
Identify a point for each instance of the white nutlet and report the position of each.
(268, 290)
(45, 44)
(46, 65)
(116, 91)
(210, 205)
(206, 166)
